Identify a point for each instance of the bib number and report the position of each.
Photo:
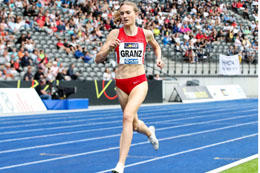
(131, 53)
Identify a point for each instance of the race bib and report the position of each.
(131, 53)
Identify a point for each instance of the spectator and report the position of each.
(20, 23)
(54, 69)
(42, 57)
(50, 76)
(246, 13)
(66, 46)
(28, 76)
(71, 72)
(99, 33)
(189, 53)
(231, 51)
(156, 31)
(238, 42)
(43, 90)
(40, 22)
(13, 71)
(200, 35)
(166, 39)
(4, 58)
(30, 10)
(21, 39)
(16, 65)
(249, 54)
(34, 56)
(157, 77)
(21, 53)
(220, 35)
(29, 45)
(94, 52)
(88, 58)
(255, 44)
(8, 72)
(26, 60)
(246, 43)
(59, 44)
(63, 75)
(255, 15)
(61, 27)
(12, 25)
(230, 36)
(29, 37)
(78, 52)
(72, 44)
(107, 75)
(39, 74)
(246, 30)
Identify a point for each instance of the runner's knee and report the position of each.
(128, 117)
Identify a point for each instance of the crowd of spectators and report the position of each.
(201, 24)
(190, 27)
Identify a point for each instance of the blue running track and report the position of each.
(194, 138)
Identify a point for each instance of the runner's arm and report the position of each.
(110, 44)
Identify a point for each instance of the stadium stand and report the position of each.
(192, 34)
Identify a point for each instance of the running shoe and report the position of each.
(118, 169)
(152, 139)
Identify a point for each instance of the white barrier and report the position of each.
(191, 94)
(17, 100)
(226, 92)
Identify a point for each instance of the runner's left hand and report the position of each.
(159, 63)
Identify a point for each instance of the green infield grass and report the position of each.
(247, 167)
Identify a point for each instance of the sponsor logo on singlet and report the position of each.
(131, 45)
(131, 53)
(130, 61)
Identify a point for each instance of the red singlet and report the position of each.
(131, 50)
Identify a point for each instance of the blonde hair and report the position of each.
(117, 13)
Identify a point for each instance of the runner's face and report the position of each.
(127, 15)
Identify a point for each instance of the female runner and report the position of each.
(129, 43)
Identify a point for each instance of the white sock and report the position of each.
(120, 167)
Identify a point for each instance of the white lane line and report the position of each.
(183, 152)
(117, 135)
(207, 122)
(226, 158)
(93, 113)
(114, 148)
(62, 122)
(109, 128)
(53, 114)
(52, 154)
(59, 134)
(153, 117)
(111, 122)
(111, 117)
(179, 110)
(145, 107)
(231, 165)
(140, 157)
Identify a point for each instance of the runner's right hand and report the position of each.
(114, 44)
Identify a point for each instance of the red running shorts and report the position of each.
(128, 84)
